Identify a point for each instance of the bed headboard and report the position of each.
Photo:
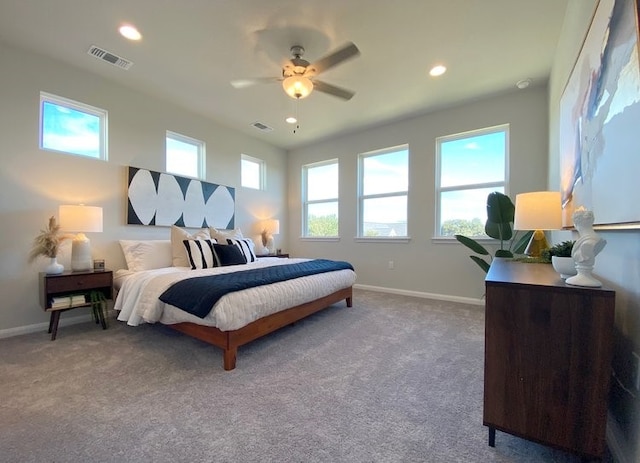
(161, 199)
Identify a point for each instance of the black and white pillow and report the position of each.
(246, 246)
(228, 255)
(200, 253)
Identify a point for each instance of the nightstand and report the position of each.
(77, 284)
(283, 256)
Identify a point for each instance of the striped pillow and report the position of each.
(246, 246)
(200, 253)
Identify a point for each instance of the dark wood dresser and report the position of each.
(548, 349)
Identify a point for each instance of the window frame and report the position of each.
(306, 202)
(101, 114)
(262, 172)
(201, 154)
(504, 184)
(360, 236)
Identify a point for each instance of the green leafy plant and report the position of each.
(499, 225)
(562, 249)
(98, 307)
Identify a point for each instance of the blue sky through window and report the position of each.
(70, 130)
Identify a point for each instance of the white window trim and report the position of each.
(306, 202)
(263, 171)
(102, 114)
(360, 237)
(201, 167)
(439, 190)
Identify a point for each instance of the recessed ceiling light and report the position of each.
(437, 70)
(130, 32)
(291, 120)
(524, 83)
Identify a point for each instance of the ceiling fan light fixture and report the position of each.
(297, 86)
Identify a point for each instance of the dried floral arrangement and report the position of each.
(48, 242)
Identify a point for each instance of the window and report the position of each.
(252, 172)
(185, 155)
(382, 193)
(320, 199)
(470, 166)
(71, 127)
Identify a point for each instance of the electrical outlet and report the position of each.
(391, 265)
(635, 371)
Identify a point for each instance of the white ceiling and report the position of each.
(192, 49)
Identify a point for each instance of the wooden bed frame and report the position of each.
(229, 341)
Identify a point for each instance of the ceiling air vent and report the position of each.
(109, 57)
(262, 127)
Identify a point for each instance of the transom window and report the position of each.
(68, 126)
(252, 172)
(320, 199)
(184, 155)
(470, 166)
(383, 189)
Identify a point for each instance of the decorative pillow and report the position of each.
(146, 255)
(246, 246)
(221, 235)
(178, 235)
(228, 255)
(200, 253)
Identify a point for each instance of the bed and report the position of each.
(236, 318)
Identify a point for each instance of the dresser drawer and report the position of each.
(70, 283)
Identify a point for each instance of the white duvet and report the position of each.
(138, 292)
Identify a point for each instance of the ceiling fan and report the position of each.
(299, 76)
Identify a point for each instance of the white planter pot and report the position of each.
(565, 266)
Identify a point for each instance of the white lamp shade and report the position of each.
(297, 86)
(80, 218)
(538, 210)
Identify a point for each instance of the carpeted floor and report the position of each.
(392, 379)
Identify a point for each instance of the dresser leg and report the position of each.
(53, 323)
(492, 437)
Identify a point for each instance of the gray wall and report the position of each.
(33, 183)
(617, 266)
(423, 265)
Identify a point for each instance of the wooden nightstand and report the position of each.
(73, 283)
(283, 256)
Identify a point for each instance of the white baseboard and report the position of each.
(439, 297)
(38, 327)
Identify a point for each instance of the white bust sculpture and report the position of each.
(585, 249)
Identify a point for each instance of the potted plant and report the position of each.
(499, 225)
(560, 257)
(47, 244)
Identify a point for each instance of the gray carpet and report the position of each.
(392, 379)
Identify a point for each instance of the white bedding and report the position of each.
(138, 293)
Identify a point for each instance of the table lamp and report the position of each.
(538, 211)
(270, 227)
(81, 219)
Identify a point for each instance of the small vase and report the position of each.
(54, 268)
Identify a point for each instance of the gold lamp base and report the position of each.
(537, 244)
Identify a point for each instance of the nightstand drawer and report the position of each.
(86, 281)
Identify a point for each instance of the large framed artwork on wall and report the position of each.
(600, 121)
(157, 198)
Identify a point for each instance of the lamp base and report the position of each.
(537, 244)
(81, 253)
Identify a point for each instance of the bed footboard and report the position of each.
(229, 341)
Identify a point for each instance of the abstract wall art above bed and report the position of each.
(161, 199)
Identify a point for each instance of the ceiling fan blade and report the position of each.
(333, 59)
(333, 90)
(244, 83)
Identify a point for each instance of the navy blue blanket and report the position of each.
(197, 295)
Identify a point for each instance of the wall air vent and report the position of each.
(109, 57)
(260, 126)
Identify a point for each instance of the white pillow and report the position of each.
(246, 247)
(221, 235)
(200, 253)
(178, 251)
(146, 255)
